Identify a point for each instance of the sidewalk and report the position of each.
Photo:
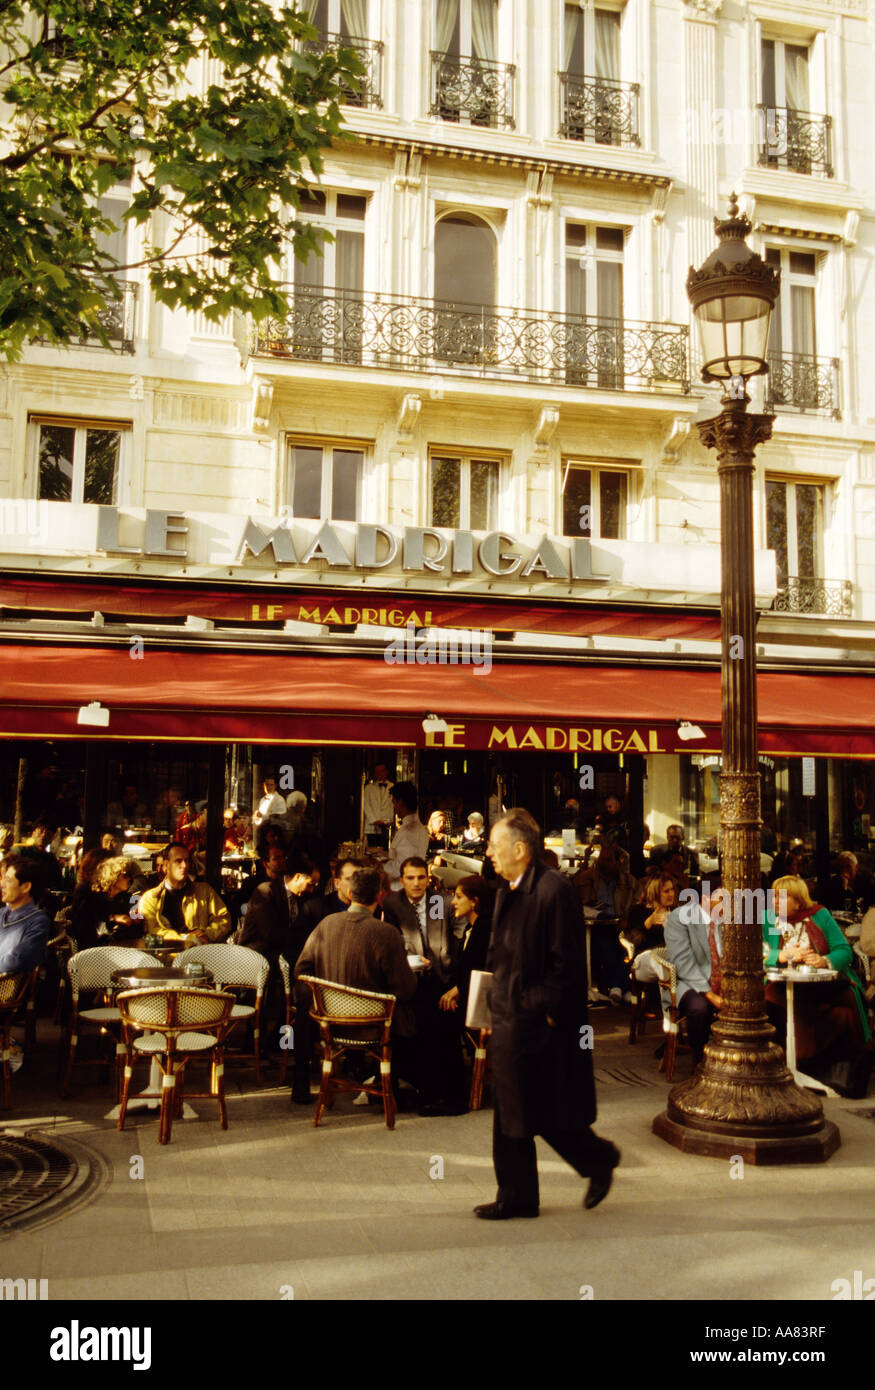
(273, 1208)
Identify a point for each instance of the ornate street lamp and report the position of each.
(743, 1099)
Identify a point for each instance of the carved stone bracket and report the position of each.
(548, 421)
(262, 400)
(703, 9)
(408, 416)
(677, 437)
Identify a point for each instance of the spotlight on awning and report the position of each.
(95, 714)
(688, 731)
(432, 724)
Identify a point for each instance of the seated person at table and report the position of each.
(438, 838)
(472, 910)
(338, 900)
(179, 907)
(354, 948)
(111, 886)
(831, 1017)
(38, 846)
(849, 884)
(645, 925)
(694, 944)
(607, 885)
(473, 839)
(86, 909)
(24, 927)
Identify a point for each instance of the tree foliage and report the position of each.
(215, 112)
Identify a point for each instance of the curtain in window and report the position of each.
(483, 29)
(808, 530)
(309, 8)
(769, 85)
(796, 78)
(483, 495)
(802, 316)
(607, 44)
(354, 18)
(572, 33)
(776, 527)
(349, 250)
(445, 24)
(609, 288)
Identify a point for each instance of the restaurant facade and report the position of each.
(453, 512)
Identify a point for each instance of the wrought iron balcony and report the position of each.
(119, 317)
(475, 90)
(344, 327)
(368, 90)
(797, 381)
(796, 140)
(599, 110)
(832, 597)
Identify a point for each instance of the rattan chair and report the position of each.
(235, 967)
(62, 947)
(175, 1025)
(91, 971)
(286, 976)
(480, 1039)
(673, 1024)
(15, 990)
(352, 1020)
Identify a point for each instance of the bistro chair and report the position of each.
(235, 967)
(480, 1039)
(91, 971)
(672, 1023)
(286, 976)
(59, 949)
(352, 1020)
(15, 990)
(175, 1025)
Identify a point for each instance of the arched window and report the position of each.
(464, 260)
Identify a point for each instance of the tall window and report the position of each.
(348, 18)
(797, 378)
(592, 42)
(793, 136)
(328, 287)
(794, 528)
(596, 105)
(594, 290)
(464, 288)
(345, 22)
(594, 502)
(464, 491)
(469, 84)
(78, 460)
(325, 481)
(785, 75)
(466, 29)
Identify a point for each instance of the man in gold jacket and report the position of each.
(178, 907)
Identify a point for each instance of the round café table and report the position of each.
(793, 977)
(155, 977)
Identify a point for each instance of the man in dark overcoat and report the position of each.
(541, 1054)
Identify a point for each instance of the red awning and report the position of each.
(273, 698)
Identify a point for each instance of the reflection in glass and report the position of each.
(484, 494)
(101, 458)
(56, 463)
(807, 530)
(776, 527)
(307, 490)
(612, 506)
(445, 491)
(577, 503)
(345, 484)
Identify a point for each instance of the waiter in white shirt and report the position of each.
(377, 810)
(271, 804)
(411, 838)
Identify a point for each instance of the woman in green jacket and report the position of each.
(831, 1017)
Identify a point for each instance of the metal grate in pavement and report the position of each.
(625, 1076)
(42, 1180)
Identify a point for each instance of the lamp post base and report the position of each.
(744, 1102)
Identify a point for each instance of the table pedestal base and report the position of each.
(150, 1099)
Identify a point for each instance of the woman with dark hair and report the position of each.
(472, 904)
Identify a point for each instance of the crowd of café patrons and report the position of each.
(381, 920)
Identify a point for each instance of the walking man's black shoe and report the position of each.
(500, 1211)
(301, 1094)
(600, 1181)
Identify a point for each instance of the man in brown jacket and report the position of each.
(355, 948)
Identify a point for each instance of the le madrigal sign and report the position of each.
(554, 737)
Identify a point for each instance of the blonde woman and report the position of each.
(831, 1016)
(112, 881)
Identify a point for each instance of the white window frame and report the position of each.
(466, 457)
(588, 18)
(327, 445)
(466, 28)
(789, 278)
(334, 18)
(82, 425)
(781, 44)
(595, 468)
(589, 256)
(331, 222)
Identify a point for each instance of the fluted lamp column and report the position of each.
(742, 1100)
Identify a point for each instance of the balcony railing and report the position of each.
(600, 110)
(831, 597)
(796, 140)
(119, 317)
(368, 90)
(344, 327)
(475, 90)
(798, 381)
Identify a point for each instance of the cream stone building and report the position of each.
(480, 413)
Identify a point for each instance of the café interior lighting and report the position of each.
(688, 731)
(95, 714)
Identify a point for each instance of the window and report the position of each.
(798, 378)
(346, 22)
(594, 291)
(597, 106)
(794, 529)
(328, 287)
(348, 18)
(469, 85)
(594, 502)
(464, 288)
(78, 461)
(326, 481)
(464, 491)
(793, 136)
